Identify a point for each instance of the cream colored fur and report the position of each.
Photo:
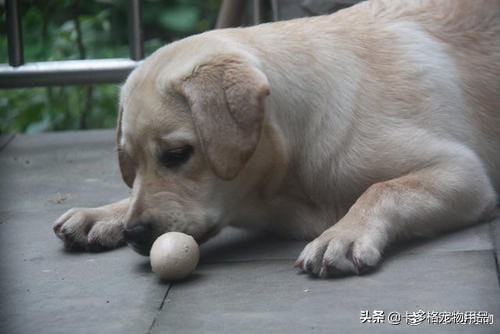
(358, 129)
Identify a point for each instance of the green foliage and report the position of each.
(51, 31)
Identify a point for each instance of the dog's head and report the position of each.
(187, 127)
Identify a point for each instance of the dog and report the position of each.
(355, 130)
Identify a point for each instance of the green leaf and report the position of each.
(180, 18)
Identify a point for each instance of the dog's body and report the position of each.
(379, 122)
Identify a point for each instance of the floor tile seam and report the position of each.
(394, 255)
(8, 141)
(160, 309)
(496, 256)
(486, 250)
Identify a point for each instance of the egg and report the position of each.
(174, 255)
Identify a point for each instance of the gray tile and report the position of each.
(234, 244)
(495, 231)
(60, 168)
(477, 237)
(44, 289)
(6, 140)
(245, 281)
(257, 296)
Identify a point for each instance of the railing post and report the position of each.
(14, 33)
(230, 14)
(135, 30)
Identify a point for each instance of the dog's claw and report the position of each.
(91, 230)
(331, 256)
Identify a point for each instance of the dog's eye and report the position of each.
(177, 156)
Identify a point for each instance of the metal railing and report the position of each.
(18, 74)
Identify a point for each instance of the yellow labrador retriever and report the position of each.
(358, 129)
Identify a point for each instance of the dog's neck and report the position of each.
(300, 111)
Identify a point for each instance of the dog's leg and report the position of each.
(93, 229)
(446, 195)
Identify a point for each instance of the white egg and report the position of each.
(174, 255)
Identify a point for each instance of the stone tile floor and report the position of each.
(245, 282)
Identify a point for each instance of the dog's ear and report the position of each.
(226, 96)
(126, 164)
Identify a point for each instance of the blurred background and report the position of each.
(61, 30)
(73, 29)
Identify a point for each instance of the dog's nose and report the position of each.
(141, 234)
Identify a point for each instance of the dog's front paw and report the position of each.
(340, 251)
(90, 229)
